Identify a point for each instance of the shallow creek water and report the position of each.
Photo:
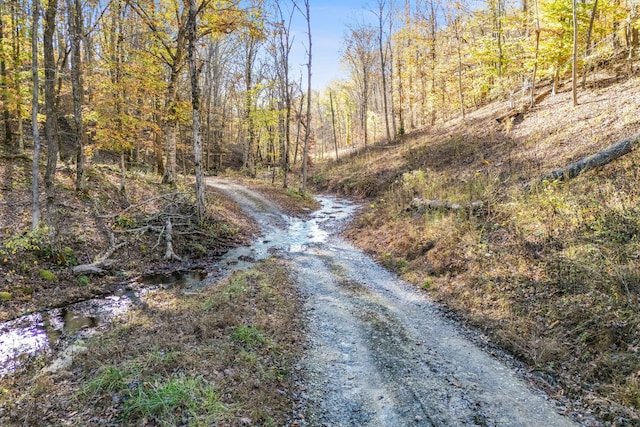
(51, 330)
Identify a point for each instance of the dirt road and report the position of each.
(380, 352)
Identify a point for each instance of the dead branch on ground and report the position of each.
(420, 206)
(104, 261)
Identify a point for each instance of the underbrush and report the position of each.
(127, 225)
(223, 356)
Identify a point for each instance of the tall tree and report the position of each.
(35, 168)
(574, 63)
(74, 17)
(50, 105)
(195, 108)
(167, 23)
(19, 24)
(383, 15)
(4, 82)
(283, 44)
(306, 13)
(360, 55)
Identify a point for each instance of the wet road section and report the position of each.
(380, 352)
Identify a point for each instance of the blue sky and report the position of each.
(329, 19)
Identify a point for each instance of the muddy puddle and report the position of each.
(51, 330)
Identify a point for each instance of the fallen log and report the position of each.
(104, 261)
(421, 205)
(593, 161)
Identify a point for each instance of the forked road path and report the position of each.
(380, 352)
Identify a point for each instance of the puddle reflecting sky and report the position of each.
(39, 332)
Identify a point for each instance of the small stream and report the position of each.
(50, 331)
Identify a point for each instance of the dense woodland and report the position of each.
(182, 86)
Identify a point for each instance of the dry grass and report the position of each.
(222, 357)
(552, 274)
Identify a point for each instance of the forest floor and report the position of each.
(550, 271)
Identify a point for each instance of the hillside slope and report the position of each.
(551, 274)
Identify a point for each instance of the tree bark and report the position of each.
(333, 125)
(307, 132)
(4, 87)
(17, 83)
(588, 42)
(574, 72)
(75, 34)
(537, 51)
(383, 68)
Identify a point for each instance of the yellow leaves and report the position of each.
(223, 21)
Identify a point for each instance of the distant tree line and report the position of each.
(415, 63)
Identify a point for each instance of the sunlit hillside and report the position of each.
(547, 269)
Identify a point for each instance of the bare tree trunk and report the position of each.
(383, 68)
(4, 86)
(297, 146)
(75, 34)
(394, 125)
(170, 129)
(333, 125)
(157, 142)
(18, 26)
(401, 99)
(50, 107)
(633, 35)
(250, 138)
(195, 109)
(588, 42)
(35, 168)
(459, 51)
(307, 131)
(537, 51)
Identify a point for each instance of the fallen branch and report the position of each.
(593, 161)
(97, 267)
(112, 246)
(421, 205)
(104, 260)
(168, 238)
